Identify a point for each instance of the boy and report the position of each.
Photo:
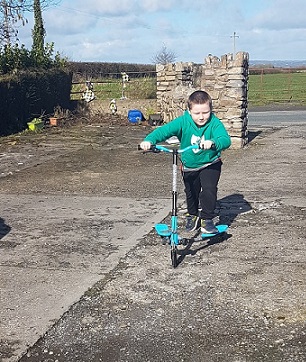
(201, 167)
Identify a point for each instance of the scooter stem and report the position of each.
(174, 182)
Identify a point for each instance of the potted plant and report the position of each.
(35, 124)
(58, 117)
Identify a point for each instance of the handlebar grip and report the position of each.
(153, 148)
(212, 147)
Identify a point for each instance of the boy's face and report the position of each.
(200, 113)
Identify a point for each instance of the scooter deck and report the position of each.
(164, 230)
(221, 229)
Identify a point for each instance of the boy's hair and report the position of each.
(199, 97)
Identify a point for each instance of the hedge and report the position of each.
(32, 94)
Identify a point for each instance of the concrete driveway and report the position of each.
(83, 278)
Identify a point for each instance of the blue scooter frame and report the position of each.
(170, 233)
(163, 229)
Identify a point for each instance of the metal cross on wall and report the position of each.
(234, 37)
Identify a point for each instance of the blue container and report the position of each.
(135, 116)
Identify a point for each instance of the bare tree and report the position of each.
(164, 56)
(12, 16)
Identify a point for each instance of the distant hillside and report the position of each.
(278, 63)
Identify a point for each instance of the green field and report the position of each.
(277, 88)
(263, 89)
(135, 88)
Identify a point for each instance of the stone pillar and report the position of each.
(225, 79)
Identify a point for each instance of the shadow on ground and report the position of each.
(228, 209)
(4, 229)
(210, 241)
(253, 134)
(231, 206)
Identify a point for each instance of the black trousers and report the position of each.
(201, 189)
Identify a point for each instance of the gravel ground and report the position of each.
(240, 298)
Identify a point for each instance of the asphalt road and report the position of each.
(276, 118)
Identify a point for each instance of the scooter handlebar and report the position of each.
(160, 148)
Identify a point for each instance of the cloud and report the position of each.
(124, 7)
(282, 14)
(133, 30)
(56, 22)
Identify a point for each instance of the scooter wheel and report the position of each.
(184, 241)
(174, 256)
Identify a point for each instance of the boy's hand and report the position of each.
(145, 145)
(206, 144)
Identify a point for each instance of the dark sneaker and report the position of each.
(208, 227)
(192, 222)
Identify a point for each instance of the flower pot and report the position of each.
(55, 121)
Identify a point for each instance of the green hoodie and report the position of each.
(185, 129)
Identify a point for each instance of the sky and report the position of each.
(134, 31)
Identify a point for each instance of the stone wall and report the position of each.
(225, 79)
